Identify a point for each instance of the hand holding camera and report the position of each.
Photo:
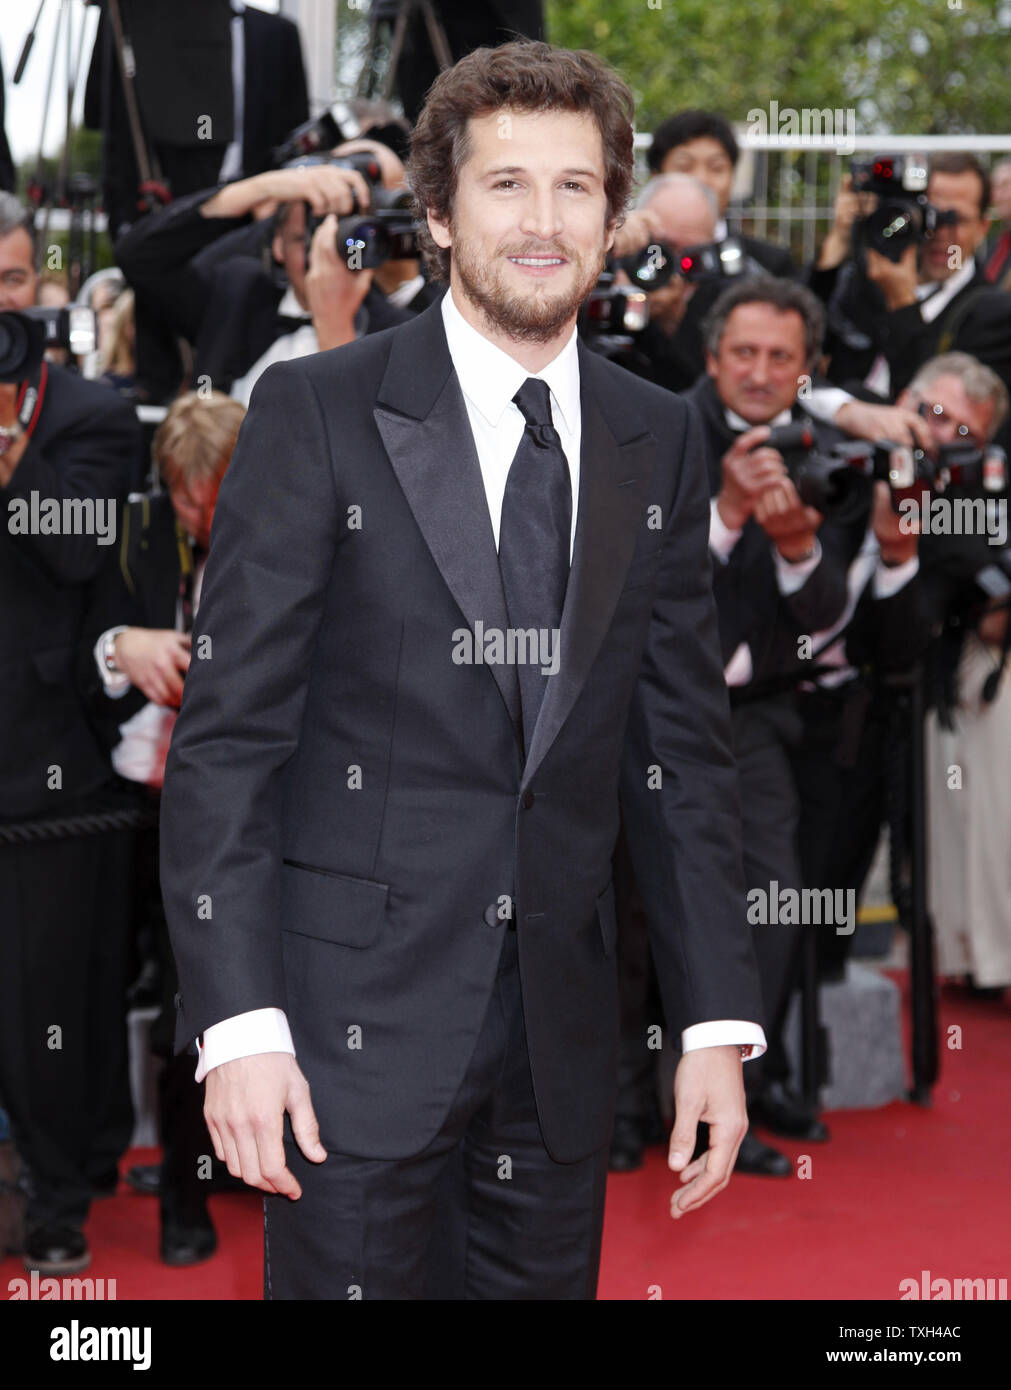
(333, 292)
(748, 469)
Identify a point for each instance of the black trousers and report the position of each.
(483, 1212)
(64, 968)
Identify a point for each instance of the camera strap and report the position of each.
(30, 398)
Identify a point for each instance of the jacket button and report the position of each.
(491, 914)
(527, 799)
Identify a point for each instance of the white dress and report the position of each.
(969, 826)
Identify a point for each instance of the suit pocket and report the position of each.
(332, 907)
(607, 919)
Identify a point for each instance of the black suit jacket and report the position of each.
(346, 808)
(85, 445)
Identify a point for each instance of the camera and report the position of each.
(26, 335)
(903, 217)
(313, 137)
(610, 313)
(830, 480)
(386, 232)
(656, 265)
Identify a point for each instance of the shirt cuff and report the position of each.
(725, 1033)
(244, 1035)
(792, 577)
(115, 685)
(888, 581)
(824, 402)
(721, 538)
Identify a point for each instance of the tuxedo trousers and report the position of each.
(482, 1212)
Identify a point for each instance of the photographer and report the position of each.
(932, 299)
(133, 678)
(773, 582)
(201, 261)
(67, 451)
(702, 144)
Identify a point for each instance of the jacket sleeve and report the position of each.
(272, 547)
(684, 834)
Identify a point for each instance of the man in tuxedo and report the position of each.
(68, 449)
(457, 604)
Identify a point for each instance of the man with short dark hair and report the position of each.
(459, 602)
(703, 144)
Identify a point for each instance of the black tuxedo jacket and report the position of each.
(85, 445)
(348, 812)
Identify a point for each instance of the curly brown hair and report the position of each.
(519, 76)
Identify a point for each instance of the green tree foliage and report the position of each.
(910, 66)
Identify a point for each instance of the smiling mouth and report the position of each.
(537, 261)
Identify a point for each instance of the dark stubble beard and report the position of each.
(536, 319)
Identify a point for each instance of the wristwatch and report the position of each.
(109, 651)
(9, 436)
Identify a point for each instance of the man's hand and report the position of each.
(897, 537)
(324, 187)
(155, 659)
(333, 293)
(244, 1107)
(789, 524)
(747, 472)
(865, 421)
(708, 1086)
(639, 230)
(836, 247)
(897, 281)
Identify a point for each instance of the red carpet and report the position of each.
(894, 1192)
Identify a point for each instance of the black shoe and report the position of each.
(778, 1109)
(145, 1178)
(760, 1160)
(187, 1244)
(57, 1250)
(627, 1144)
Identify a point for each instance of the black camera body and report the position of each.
(26, 334)
(386, 232)
(903, 217)
(654, 266)
(829, 479)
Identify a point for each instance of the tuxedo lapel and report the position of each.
(422, 419)
(615, 466)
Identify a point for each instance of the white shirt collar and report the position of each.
(290, 308)
(489, 377)
(737, 422)
(934, 299)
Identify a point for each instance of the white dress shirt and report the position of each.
(301, 343)
(932, 300)
(489, 378)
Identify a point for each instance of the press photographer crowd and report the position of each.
(855, 418)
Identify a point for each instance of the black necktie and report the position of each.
(533, 550)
